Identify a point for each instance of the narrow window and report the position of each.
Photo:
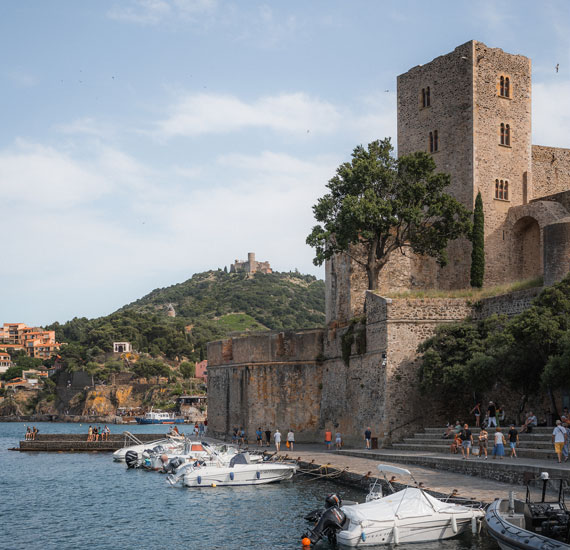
(496, 189)
(508, 134)
(423, 97)
(502, 142)
(428, 98)
(501, 190)
(507, 87)
(435, 141)
(506, 191)
(502, 86)
(431, 142)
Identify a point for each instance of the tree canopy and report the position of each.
(528, 353)
(380, 204)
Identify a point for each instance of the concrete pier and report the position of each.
(69, 443)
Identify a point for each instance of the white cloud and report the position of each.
(152, 12)
(198, 114)
(551, 113)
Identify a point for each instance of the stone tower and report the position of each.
(471, 109)
(251, 262)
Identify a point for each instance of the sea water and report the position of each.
(70, 501)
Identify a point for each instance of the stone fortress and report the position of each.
(250, 266)
(471, 109)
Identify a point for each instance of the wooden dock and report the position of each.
(69, 443)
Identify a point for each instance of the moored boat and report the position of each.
(158, 417)
(531, 524)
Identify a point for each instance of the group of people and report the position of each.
(337, 440)
(494, 415)
(95, 432)
(31, 433)
(561, 437)
(264, 438)
(463, 440)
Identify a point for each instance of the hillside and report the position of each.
(208, 306)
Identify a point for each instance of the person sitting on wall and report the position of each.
(456, 445)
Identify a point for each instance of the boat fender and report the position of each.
(474, 527)
(454, 524)
(363, 536)
(199, 480)
(232, 476)
(395, 537)
(258, 474)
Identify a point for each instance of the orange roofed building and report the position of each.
(36, 342)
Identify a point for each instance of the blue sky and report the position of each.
(142, 141)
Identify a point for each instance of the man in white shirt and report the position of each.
(559, 438)
(277, 439)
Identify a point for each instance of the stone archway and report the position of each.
(523, 229)
(527, 249)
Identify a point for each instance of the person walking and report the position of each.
(476, 410)
(368, 437)
(499, 448)
(328, 439)
(559, 438)
(492, 412)
(483, 438)
(466, 437)
(268, 437)
(513, 440)
(90, 434)
(277, 439)
(201, 430)
(565, 449)
(291, 438)
(259, 436)
(338, 441)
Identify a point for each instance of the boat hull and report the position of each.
(512, 536)
(406, 532)
(252, 475)
(158, 421)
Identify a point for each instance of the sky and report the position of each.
(143, 141)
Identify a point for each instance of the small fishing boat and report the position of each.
(409, 515)
(158, 417)
(532, 524)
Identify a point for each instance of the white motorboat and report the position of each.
(239, 471)
(168, 443)
(409, 515)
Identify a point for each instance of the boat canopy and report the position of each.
(240, 458)
(408, 503)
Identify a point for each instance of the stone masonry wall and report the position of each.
(495, 161)
(550, 171)
(450, 79)
(266, 380)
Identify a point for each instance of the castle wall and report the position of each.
(550, 171)
(266, 379)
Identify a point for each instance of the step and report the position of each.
(444, 449)
(523, 443)
(530, 438)
(539, 430)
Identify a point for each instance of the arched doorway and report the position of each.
(527, 249)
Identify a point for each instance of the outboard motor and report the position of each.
(132, 459)
(171, 466)
(330, 520)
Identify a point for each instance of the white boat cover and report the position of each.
(408, 503)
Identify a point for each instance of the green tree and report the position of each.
(378, 204)
(478, 244)
(187, 369)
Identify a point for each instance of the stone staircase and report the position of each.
(537, 445)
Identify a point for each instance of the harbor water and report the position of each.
(70, 501)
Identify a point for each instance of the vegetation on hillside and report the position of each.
(208, 306)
